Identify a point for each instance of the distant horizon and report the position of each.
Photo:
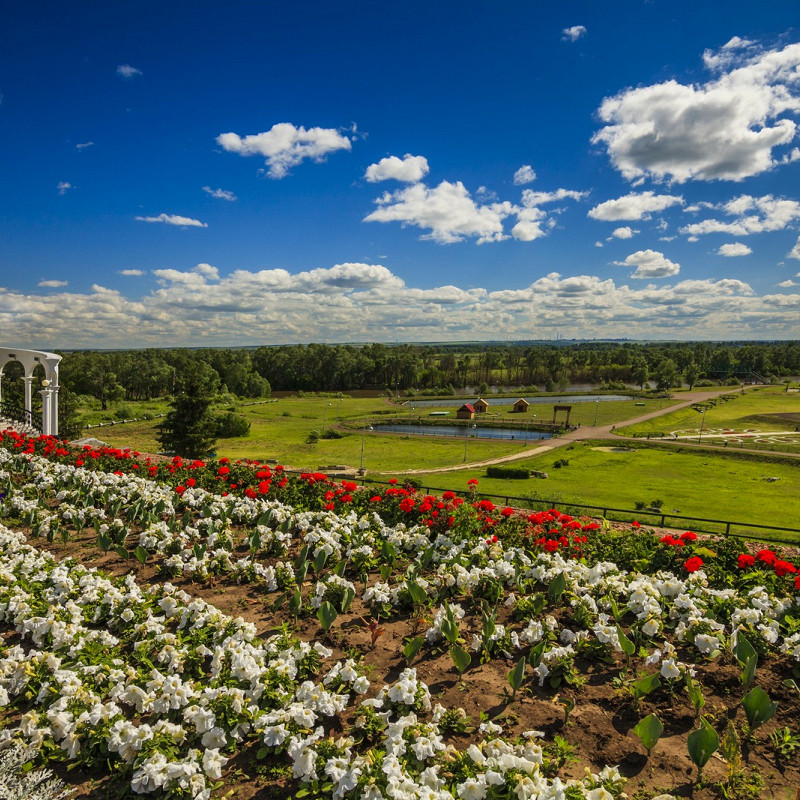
(193, 175)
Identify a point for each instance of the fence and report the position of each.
(724, 527)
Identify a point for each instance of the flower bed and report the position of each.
(552, 617)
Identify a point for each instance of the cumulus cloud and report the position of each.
(63, 187)
(795, 251)
(127, 71)
(650, 264)
(573, 34)
(753, 215)
(131, 273)
(451, 214)
(285, 146)
(84, 145)
(367, 302)
(523, 175)
(174, 219)
(734, 249)
(787, 284)
(625, 232)
(411, 169)
(447, 211)
(52, 284)
(220, 194)
(725, 129)
(634, 206)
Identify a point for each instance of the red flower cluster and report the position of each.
(767, 558)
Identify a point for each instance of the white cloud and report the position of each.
(787, 284)
(725, 129)
(531, 198)
(795, 251)
(523, 175)
(650, 264)
(734, 249)
(625, 232)
(447, 210)
(285, 146)
(52, 284)
(367, 302)
(84, 145)
(174, 219)
(127, 71)
(573, 34)
(755, 215)
(131, 273)
(634, 206)
(63, 187)
(220, 194)
(411, 169)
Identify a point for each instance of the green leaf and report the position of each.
(296, 603)
(198, 551)
(141, 554)
(628, 647)
(412, 648)
(461, 658)
(418, 594)
(517, 675)
(122, 552)
(749, 670)
(536, 653)
(556, 587)
(326, 614)
(255, 541)
(695, 693)
(426, 556)
(340, 567)
(743, 651)
(104, 542)
(703, 743)
(319, 561)
(450, 626)
(347, 598)
(646, 685)
(758, 707)
(649, 731)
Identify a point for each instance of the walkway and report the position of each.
(603, 432)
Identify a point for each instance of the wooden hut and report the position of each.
(467, 411)
(480, 406)
(521, 406)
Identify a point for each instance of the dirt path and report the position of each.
(602, 432)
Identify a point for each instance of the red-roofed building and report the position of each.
(467, 411)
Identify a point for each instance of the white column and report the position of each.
(54, 410)
(1, 387)
(45, 393)
(28, 380)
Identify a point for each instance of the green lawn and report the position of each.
(698, 484)
(280, 431)
(759, 408)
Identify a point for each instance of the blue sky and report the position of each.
(198, 174)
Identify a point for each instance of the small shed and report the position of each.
(521, 406)
(480, 406)
(467, 411)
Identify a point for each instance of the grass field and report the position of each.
(761, 408)
(692, 483)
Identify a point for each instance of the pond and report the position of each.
(507, 401)
(517, 434)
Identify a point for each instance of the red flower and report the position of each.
(783, 568)
(180, 489)
(689, 536)
(472, 482)
(797, 582)
(693, 564)
(223, 471)
(767, 556)
(745, 560)
(507, 512)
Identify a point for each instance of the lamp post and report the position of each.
(466, 439)
(702, 420)
(596, 409)
(324, 414)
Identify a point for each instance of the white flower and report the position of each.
(213, 763)
(471, 789)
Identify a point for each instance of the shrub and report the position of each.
(229, 425)
(561, 462)
(514, 473)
